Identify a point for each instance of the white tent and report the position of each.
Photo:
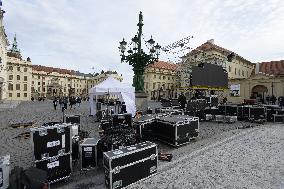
(112, 86)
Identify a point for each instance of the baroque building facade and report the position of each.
(209, 52)
(160, 80)
(26, 80)
(3, 57)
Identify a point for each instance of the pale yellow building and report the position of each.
(19, 75)
(266, 80)
(209, 52)
(160, 80)
(3, 58)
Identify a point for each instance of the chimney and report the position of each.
(257, 68)
(211, 41)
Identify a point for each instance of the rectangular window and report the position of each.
(18, 77)
(33, 82)
(38, 89)
(168, 78)
(43, 90)
(154, 76)
(154, 85)
(33, 89)
(38, 77)
(25, 94)
(10, 68)
(19, 69)
(18, 95)
(38, 83)
(10, 95)
(235, 71)
(18, 87)
(25, 78)
(10, 87)
(25, 87)
(164, 77)
(25, 69)
(243, 73)
(230, 69)
(10, 77)
(43, 83)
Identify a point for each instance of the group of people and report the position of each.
(63, 102)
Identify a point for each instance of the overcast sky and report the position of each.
(81, 34)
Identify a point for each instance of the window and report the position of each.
(38, 89)
(43, 83)
(235, 71)
(25, 69)
(247, 73)
(230, 69)
(168, 78)
(10, 95)
(239, 72)
(18, 87)
(159, 77)
(243, 73)
(18, 77)
(25, 94)
(38, 77)
(25, 78)
(154, 85)
(18, 95)
(33, 82)
(43, 89)
(164, 77)
(10, 77)
(38, 83)
(25, 87)
(10, 68)
(19, 69)
(33, 89)
(10, 87)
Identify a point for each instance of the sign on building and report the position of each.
(235, 90)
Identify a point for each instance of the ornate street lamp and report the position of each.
(137, 58)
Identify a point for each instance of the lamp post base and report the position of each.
(141, 101)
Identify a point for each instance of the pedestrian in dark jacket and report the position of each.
(182, 101)
(55, 103)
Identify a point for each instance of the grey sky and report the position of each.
(81, 34)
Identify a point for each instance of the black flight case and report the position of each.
(130, 164)
(89, 153)
(58, 167)
(176, 130)
(51, 141)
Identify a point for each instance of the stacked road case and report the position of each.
(52, 150)
(89, 153)
(4, 171)
(130, 164)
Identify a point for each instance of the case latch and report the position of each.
(116, 170)
(117, 184)
(42, 132)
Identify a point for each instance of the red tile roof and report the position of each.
(211, 46)
(273, 67)
(51, 69)
(163, 65)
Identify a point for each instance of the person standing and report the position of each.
(55, 103)
(182, 101)
(79, 101)
(60, 102)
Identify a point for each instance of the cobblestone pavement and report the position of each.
(253, 159)
(41, 112)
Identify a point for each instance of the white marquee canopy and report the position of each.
(125, 92)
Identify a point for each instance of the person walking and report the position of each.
(60, 102)
(55, 103)
(79, 101)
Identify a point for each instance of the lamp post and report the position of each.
(137, 58)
